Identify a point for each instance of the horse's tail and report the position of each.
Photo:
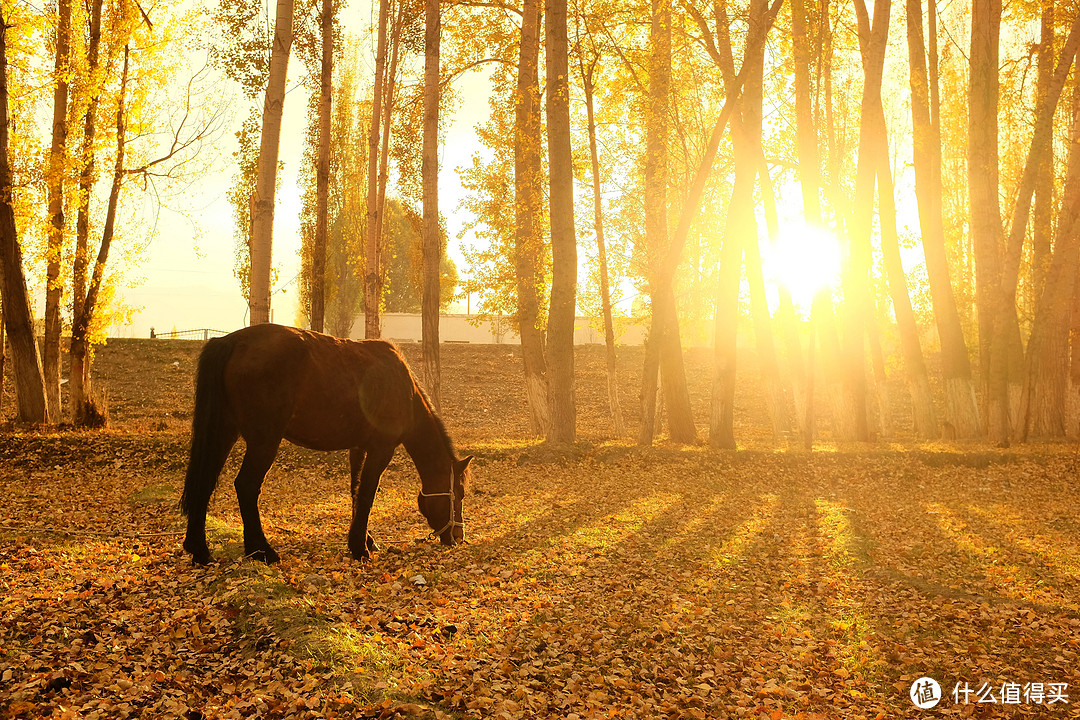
(212, 430)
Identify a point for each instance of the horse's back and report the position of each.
(317, 390)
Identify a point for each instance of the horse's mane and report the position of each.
(435, 417)
(426, 401)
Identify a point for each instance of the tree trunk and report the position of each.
(605, 292)
(785, 313)
(1042, 218)
(923, 413)
(372, 271)
(79, 365)
(872, 43)
(806, 135)
(741, 229)
(810, 184)
(528, 209)
(857, 298)
(985, 208)
(322, 173)
(18, 321)
(879, 425)
(262, 204)
(54, 288)
(1043, 405)
(768, 365)
(389, 82)
(432, 242)
(961, 410)
(80, 326)
(655, 204)
(561, 312)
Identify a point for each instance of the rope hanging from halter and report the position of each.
(451, 523)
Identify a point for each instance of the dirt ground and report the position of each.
(604, 581)
(148, 385)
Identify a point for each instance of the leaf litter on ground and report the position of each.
(625, 583)
(604, 581)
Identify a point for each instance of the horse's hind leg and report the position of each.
(356, 462)
(257, 460)
(197, 494)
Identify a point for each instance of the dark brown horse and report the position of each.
(268, 382)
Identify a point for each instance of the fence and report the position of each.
(201, 333)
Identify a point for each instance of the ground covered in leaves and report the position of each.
(607, 582)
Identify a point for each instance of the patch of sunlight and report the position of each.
(493, 520)
(1058, 553)
(734, 548)
(1007, 578)
(614, 527)
(700, 530)
(835, 524)
(845, 616)
(368, 655)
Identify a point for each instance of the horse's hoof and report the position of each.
(199, 555)
(267, 556)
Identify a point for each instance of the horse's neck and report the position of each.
(426, 444)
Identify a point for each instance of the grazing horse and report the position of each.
(269, 382)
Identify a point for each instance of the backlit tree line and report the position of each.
(98, 113)
(677, 148)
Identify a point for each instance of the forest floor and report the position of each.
(608, 581)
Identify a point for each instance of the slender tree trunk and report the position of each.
(806, 134)
(262, 205)
(873, 120)
(961, 409)
(322, 174)
(785, 313)
(810, 184)
(18, 321)
(432, 239)
(79, 370)
(879, 424)
(372, 271)
(741, 230)
(81, 326)
(737, 231)
(528, 208)
(1042, 218)
(768, 364)
(923, 413)
(389, 101)
(857, 298)
(665, 345)
(55, 189)
(598, 221)
(561, 312)
(808, 425)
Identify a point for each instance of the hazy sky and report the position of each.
(188, 270)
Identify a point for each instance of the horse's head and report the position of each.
(441, 499)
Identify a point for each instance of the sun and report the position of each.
(804, 259)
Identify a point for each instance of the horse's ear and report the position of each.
(463, 463)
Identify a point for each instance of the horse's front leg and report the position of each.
(356, 462)
(360, 543)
